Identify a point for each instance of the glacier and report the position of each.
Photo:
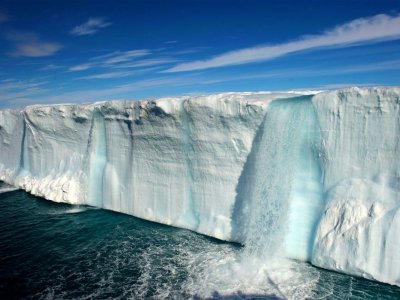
(313, 176)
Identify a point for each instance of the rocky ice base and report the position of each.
(312, 177)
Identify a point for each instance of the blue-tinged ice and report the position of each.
(285, 192)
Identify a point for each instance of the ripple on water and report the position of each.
(51, 250)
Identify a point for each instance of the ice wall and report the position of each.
(359, 230)
(174, 161)
(317, 176)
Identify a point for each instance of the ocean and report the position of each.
(57, 251)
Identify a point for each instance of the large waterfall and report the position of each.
(282, 185)
(286, 169)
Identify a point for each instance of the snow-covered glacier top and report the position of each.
(313, 175)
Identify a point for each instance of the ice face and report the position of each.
(360, 150)
(174, 161)
(359, 233)
(314, 178)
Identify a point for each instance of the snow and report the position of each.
(322, 168)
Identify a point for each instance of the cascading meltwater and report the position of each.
(286, 164)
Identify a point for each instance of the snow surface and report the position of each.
(312, 177)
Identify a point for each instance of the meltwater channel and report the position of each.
(60, 251)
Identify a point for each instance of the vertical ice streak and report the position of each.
(98, 160)
(287, 128)
(191, 216)
(24, 160)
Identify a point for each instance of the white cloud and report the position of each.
(15, 92)
(111, 59)
(92, 26)
(307, 72)
(360, 31)
(117, 74)
(36, 49)
(30, 44)
(124, 56)
(146, 63)
(80, 67)
(119, 91)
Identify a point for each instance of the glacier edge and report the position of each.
(179, 162)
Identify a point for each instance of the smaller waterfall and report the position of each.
(24, 159)
(98, 160)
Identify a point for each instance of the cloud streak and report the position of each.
(29, 44)
(36, 49)
(117, 74)
(78, 68)
(360, 31)
(112, 59)
(90, 27)
(147, 63)
(16, 92)
(124, 56)
(307, 72)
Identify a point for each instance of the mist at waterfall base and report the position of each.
(50, 250)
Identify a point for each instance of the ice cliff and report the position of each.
(316, 177)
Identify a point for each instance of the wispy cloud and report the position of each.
(36, 49)
(360, 31)
(78, 68)
(147, 63)
(92, 26)
(370, 67)
(186, 51)
(124, 56)
(117, 74)
(307, 72)
(14, 91)
(115, 92)
(30, 44)
(110, 59)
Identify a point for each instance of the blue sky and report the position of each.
(81, 51)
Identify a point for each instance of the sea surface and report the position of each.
(56, 251)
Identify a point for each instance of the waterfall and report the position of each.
(277, 207)
(98, 160)
(282, 162)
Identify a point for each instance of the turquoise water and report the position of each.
(57, 251)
